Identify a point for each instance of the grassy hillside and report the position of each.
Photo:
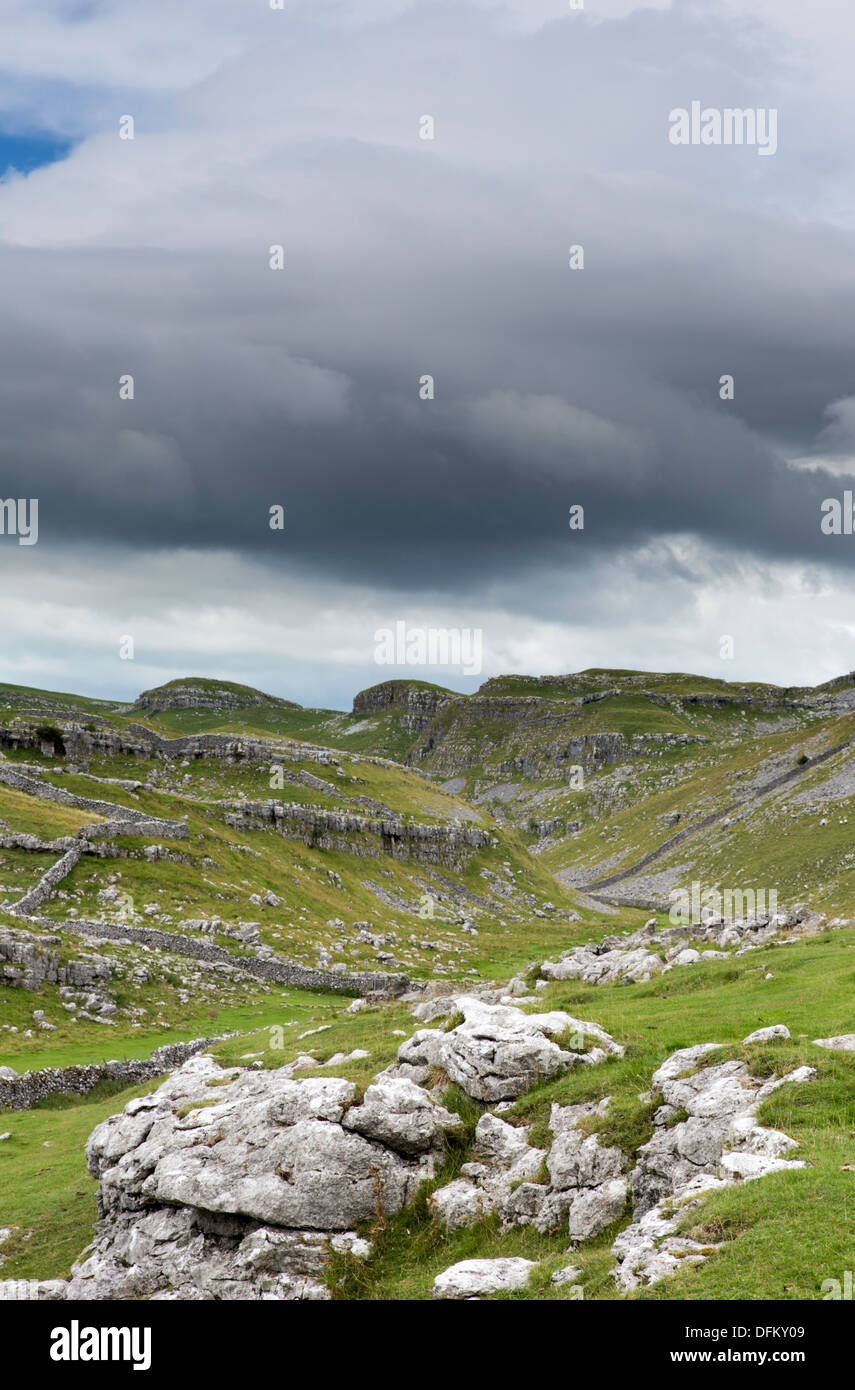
(658, 754)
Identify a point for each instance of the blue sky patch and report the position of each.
(26, 152)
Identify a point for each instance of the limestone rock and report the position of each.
(777, 1030)
(402, 1116)
(844, 1042)
(498, 1179)
(228, 1183)
(596, 966)
(498, 1052)
(584, 1188)
(717, 1144)
(475, 1278)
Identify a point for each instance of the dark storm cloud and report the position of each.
(554, 387)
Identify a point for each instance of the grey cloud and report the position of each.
(554, 387)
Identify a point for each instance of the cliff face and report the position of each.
(417, 703)
(538, 735)
(450, 846)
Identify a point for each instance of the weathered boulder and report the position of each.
(475, 1278)
(777, 1030)
(498, 1052)
(233, 1183)
(402, 1116)
(844, 1042)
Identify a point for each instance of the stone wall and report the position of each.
(282, 971)
(153, 826)
(23, 1092)
(122, 820)
(44, 888)
(46, 791)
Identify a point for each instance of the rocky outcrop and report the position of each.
(598, 965)
(497, 1052)
(716, 1144)
(579, 1186)
(28, 961)
(650, 951)
(417, 703)
(541, 735)
(236, 1184)
(207, 695)
(449, 846)
(502, 1170)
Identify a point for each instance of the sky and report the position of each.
(300, 387)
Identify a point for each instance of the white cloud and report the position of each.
(220, 615)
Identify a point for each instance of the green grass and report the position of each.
(802, 1222)
(46, 1194)
(84, 1042)
(30, 816)
(780, 1236)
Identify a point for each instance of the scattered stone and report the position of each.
(777, 1030)
(844, 1042)
(475, 1278)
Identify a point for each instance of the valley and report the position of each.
(432, 944)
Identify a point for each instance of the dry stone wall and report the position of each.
(23, 1092)
(282, 971)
